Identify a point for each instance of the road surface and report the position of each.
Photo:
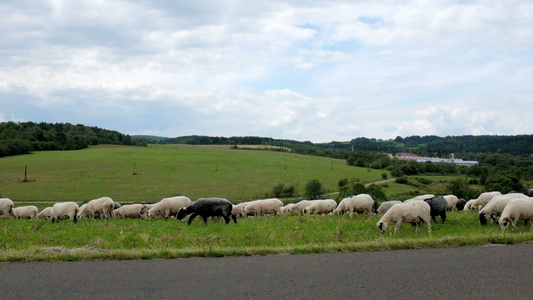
(490, 272)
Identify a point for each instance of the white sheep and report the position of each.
(6, 207)
(298, 208)
(168, 207)
(483, 199)
(468, 205)
(285, 209)
(102, 207)
(45, 213)
(451, 202)
(495, 206)
(411, 212)
(263, 207)
(517, 209)
(130, 211)
(25, 212)
(237, 210)
(419, 198)
(323, 206)
(64, 210)
(362, 203)
(385, 206)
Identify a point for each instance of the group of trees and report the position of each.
(25, 137)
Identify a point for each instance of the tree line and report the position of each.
(25, 137)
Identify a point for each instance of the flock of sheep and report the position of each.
(510, 208)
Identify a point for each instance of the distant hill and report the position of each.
(150, 138)
(425, 145)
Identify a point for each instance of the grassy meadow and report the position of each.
(31, 240)
(166, 170)
(202, 171)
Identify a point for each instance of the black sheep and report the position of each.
(438, 207)
(208, 207)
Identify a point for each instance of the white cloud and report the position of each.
(306, 70)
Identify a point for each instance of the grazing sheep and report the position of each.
(362, 203)
(102, 207)
(263, 207)
(208, 207)
(130, 211)
(483, 199)
(167, 207)
(6, 207)
(238, 209)
(146, 207)
(412, 212)
(495, 206)
(285, 210)
(25, 212)
(324, 206)
(517, 209)
(64, 210)
(298, 208)
(468, 205)
(45, 214)
(461, 204)
(385, 206)
(451, 202)
(420, 198)
(438, 207)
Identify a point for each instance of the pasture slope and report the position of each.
(166, 170)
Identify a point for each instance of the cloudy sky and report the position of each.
(305, 70)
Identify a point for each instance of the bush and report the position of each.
(314, 190)
(402, 180)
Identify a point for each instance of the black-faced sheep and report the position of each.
(25, 212)
(451, 202)
(438, 207)
(517, 209)
(362, 203)
(461, 204)
(64, 210)
(208, 207)
(413, 212)
(385, 206)
(494, 208)
(6, 207)
(323, 206)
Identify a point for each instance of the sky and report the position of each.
(308, 70)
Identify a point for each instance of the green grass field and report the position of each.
(166, 170)
(29, 240)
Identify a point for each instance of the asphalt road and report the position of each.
(490, 272)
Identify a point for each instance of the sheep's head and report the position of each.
(504, 223)
(382, 226)
(182, 213)
(482, 219)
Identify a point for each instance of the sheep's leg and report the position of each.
(234, 218)
(191, 218)
(397, 227)
(205, 219)
(443, 217)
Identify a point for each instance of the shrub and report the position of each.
(314, 189)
